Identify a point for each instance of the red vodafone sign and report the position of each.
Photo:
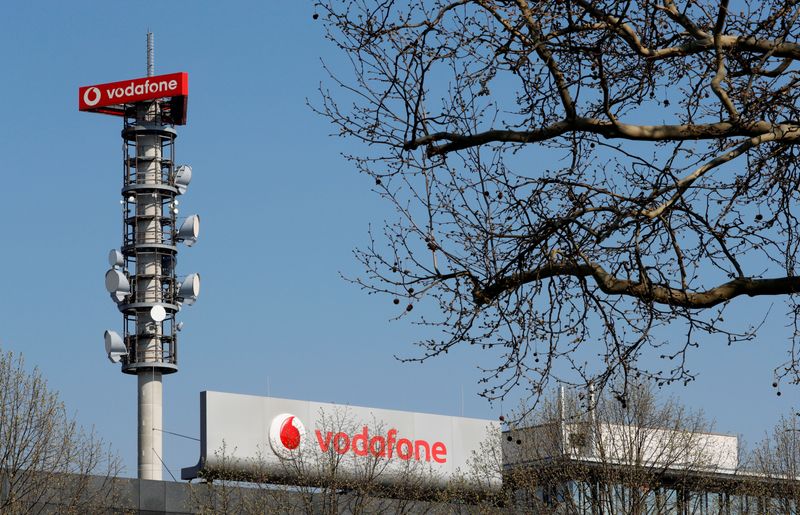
(291, 441)
(114, 97)
(287, 433)
(379, 446)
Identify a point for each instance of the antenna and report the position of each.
(142, 280)
(591, 438)
(562, 417)
(151, 55)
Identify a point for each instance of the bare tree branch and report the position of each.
(582, 189)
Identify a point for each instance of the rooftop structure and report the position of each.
(593, 468)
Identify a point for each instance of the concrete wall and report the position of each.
(148, 497)
(151, 497)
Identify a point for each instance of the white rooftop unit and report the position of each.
(618, 444)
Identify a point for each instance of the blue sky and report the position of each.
(281, 213)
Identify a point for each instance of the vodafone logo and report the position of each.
(91, 96)
(118, 94)
(286, 435)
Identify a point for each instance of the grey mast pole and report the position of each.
(148, 206)
(142, 280)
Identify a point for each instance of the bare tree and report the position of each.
(48, 463)
(573, 173)
(775, 469)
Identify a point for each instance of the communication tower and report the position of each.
(143, 280)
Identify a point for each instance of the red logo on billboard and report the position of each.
(379, 446)
(290, 435)
(91, 96)
(286, 434)
(113, 97)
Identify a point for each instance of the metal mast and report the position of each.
(143, 279)
(150, 139)
(151, 58)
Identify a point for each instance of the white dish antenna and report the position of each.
(158, 313)
(117, 285)
(115, 347)
(183, 176)
(115, 258)
(190, 289)
(189, 230)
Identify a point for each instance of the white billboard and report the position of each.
(301, 442)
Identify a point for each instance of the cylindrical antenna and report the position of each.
(562, 416)
(593, 433)
(151, 58)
